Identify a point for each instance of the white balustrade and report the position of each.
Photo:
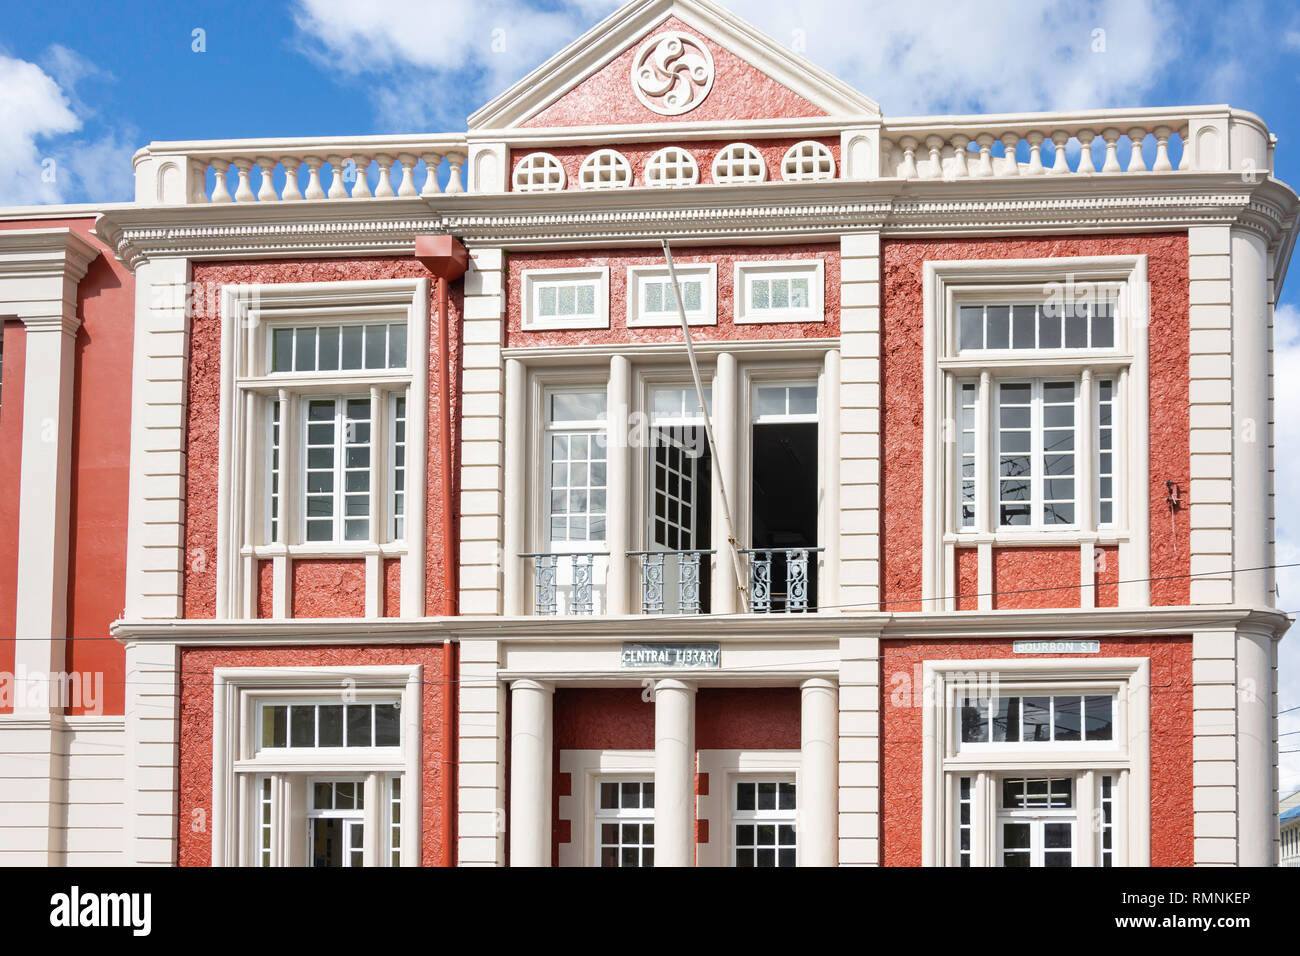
(1042, 144)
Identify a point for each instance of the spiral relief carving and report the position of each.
(672, 73)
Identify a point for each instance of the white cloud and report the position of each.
(1286, 376)
(33, 110)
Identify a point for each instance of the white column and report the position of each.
(46, 482)
(1250, 478)
(830, 520)
(1256, 747)
(515, 568)
(618, 531)
(726, 406)
(674, 773)
(530, 773)
(818, 763)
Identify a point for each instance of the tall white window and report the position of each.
(578, 481)
(625, 822)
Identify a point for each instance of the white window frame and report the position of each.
(249, 390)
(743, 156)
(585, 768)
(706, 273)
(239, 763)
(946, 286)
(808, 161)
(535, 280)
(1127, 760)
(814, 270)
(617, 816)
(538, 172)
(605, 169)
(1036, 454)
(590, 427)
(777, 817)
(671, 166)
(724, 768)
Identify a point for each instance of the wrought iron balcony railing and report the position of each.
(578, 587)
(797, 597)
(655, 587)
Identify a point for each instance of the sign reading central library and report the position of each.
(671, 655)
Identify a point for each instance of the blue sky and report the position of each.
(82, 85)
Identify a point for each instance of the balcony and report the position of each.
(778, 581)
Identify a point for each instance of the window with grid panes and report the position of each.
(575, 443)
(625, 822)
(672, 166)
(605, 169)
(806, 162)
(538, 172)
(763, 823)
(739, 163)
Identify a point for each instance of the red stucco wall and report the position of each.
(704, 151)
(740, 91)
(1035, 578)
(1171, 739)
(329, 588)
(726, 330)
(195, 762)
(968, 579)
(202, 431)
(902, 424)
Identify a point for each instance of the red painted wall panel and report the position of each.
(704, 152)
(329, 588)
(740, 91)
(968, 579)
(195, 762)
(1035, 578)
(747, 718)
(1106, 574)
(726, 330)
(203, 413)
(902, 370)
(1171, 738)
(265, 589)
(392, 588)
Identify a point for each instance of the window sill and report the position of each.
(360, 549)
(1035, 539)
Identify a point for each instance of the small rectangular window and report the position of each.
(329, 348)
(1031, 719)
(779, 291)
(1087, 323)
(314, 726)
(565, 298)
(650, 299)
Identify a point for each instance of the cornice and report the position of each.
(50, 253)
(771, 212)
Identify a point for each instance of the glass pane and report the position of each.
(546, 301)
(376, 346)
(1022, 326)
(1066, 720)
(999, 327)
(566, 300)
(302, 726)
(1098, 719)
(359, 725)
(1015, 836)
(352, 337)
(974, 721)
(631, 795)
(770, 401)
(1036, 719)
(767, 796)
(608, 801)
(387, 725)
(304, 350)
(745, 796)
(329, 348)
(786, 797)
(275, 726)
(577, 406)
(803, 400)
(1049, 328)
(331, 725)
(282, 350)
(586, 299)
(1006, 719)
(1056, 836)
(970, 334)
(397, 345)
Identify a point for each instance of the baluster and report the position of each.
(1085, 137)
(338, 190)
(1060, 164)
(407, 187)
(935, 145)
(688, 582)
(652, 583)
(1035, 167)
(1162, 164)
(431, 163)
(361, 188)
(959, 156)
(985, 167)
(546, 584)
(244, 189)
(290, 191)
(384, 188)
(796, 580)
(909, 145)
(454, 161)
(1185, 161)
(581, 583)
(266, 190)
(220, 191)
(1136, 161)
(1010, 165)
(760, 582)
(1111, 136)
(313, 190)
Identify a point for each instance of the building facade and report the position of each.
(405, 525)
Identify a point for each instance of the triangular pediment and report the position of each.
(672, 61)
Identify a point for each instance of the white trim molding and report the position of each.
(1127, 758)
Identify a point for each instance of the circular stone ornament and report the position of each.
(672, 73)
